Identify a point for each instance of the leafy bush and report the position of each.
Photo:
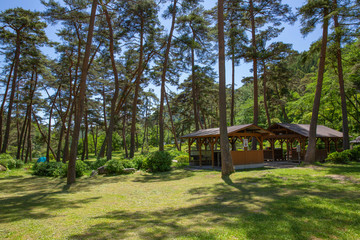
(19, 163)
(50, 169)
(175, 153)
(158, 162)
(81, 168)
(58, 169)
(128, 163)
(114, 166)
(182, 160)
(138, 161)
(344, 156)
(98, 163)
(355, 154)
(7, 161)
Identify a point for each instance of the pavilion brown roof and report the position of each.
(303, 129)
(214, 132)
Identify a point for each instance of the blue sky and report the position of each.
(291, 33)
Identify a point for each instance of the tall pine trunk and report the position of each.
(163, 79)
(117, 86)
(345, 127)
(265, 97)
(254, 58)
(310, 156)
(80, 99)
(226, 162)
(12, 93)
(4, 100)
(136, 94)
(232, 111)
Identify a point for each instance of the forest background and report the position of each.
(42, 68)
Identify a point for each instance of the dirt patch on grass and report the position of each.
(342, 178)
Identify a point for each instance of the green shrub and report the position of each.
(58, 169)
(50, 169)
(182, 160)
(114, 166)
(175, 153)
(7, 161)
(340, 157)
(355, 154)
(128, 163)
(138, 161)
(98, 163)
(81, 168)
(19, 163)
(158, 162)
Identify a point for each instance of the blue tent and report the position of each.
(41, 159)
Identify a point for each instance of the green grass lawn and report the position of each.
(317, 202)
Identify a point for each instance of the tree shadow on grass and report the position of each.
(343, 169)
(37, 205)
(250, 208)
(164, 176)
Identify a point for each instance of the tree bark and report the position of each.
(117, 86)
(265, 97)
(310, 156)
(124, 135)
(12, 93)
(71, 175)
(49, 128)
(253, 44)
(42, 133)
(232, 114)
(85, 152)
(163, 79)
(193, 84)
(4, 99)
(172, 123)
(136, 94)
(345, 125)
(227, 167)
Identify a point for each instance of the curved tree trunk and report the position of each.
(310, 156)
(80, 99)
(117, 86)
(4, 100)
(163, 79)
(12, 93)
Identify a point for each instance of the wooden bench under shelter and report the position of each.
(242, 157)
(298, 134)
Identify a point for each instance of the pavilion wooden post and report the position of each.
(200, 157)
(245, 148)
(336, 144)
(189, 145)
(327, 145)
(287, 150)
(260, 140)
(212, 143)
(273, 149)
(282, 147)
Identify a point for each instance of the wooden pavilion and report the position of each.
(297, 135)
(245, 158)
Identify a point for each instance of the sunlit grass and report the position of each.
(319, 202)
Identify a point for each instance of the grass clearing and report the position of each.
(295, 203)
